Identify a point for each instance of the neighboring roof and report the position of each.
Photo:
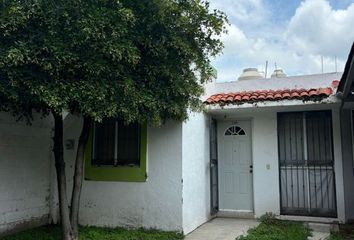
(343, 82)
(307, 88)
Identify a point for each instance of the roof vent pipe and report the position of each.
(250, 73)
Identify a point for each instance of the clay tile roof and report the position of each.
(245, 97)
(313, 92)
(324, 91)
(278, 95)
(294, 94)
(254, 97)
(229, 98)
(272, 95)
(237, 97)
(335, 83)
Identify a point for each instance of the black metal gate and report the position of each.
(214, 194)
(307, 180)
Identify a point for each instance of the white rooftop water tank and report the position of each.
(250, 73)
(278, 73)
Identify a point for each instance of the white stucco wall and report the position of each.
(338, 164)
(25, 182)
(196, 171)
(156, 203)
(265, 152)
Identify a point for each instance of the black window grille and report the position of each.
(306, 162)
(234, 130)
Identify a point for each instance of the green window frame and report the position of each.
(117, 173)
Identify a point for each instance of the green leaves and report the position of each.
(139, 60)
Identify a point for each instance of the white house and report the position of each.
(280, 145)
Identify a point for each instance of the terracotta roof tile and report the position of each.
(335, 83)
(237, 97)
(271, 95)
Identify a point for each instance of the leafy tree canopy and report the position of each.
(140, 60)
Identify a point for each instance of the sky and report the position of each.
(294, 35)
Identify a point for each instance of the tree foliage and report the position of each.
(140, 60)
(65, 55)
(175, 40)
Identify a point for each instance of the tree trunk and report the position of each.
(67, 233)
(78, 176)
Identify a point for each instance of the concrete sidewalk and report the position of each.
(222, 229)
(319, 236)
(321, 231)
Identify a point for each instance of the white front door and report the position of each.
(235, 166)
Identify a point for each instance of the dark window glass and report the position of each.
(128, 144)
(290, 135)
(104, 135)
(241, 132)
(319, 137)
(234, 131)
(116, 144)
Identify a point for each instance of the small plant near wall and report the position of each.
(345, 232)
(268, 217)
(272, 228)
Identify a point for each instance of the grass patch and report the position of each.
(95, 233)
(273, 229)
(346, 232)
(341, 236)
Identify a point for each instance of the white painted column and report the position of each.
(347, 157)
(338, 164)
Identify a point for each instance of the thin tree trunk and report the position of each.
(78, 176)
(67, 233)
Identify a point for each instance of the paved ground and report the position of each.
(319, 236)
(222, 229)
(230, 228)
(320, 231)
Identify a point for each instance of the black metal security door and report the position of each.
(214, 194)
(307, 181)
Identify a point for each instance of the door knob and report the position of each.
(251, 171)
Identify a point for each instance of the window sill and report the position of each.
(115, 174)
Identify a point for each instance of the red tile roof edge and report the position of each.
(271, 95)
(335, 83)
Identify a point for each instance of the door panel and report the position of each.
(235, 166)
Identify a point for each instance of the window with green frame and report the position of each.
(116, 152)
